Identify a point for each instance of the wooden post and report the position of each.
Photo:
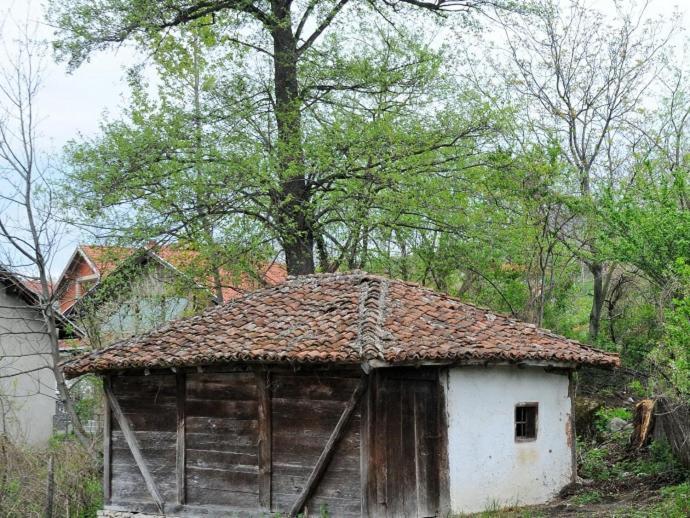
(572, 388)
(329, 449)
(180, 457)
(263, 385)
(107, 447)
(133, 445)
(365, 448)
(443, 464)
(50, 488)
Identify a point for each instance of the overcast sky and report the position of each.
(74, 103)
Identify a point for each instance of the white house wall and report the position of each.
(488, 468)
(27, 384)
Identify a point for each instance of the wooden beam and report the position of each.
(443, 465)
(365, 449)
(329, 449)
(571, 437)
(107, 448)
(133, 445)
(180, 447)
(263, 384)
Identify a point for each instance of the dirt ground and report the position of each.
(634, 497)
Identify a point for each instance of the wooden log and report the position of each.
(263, 379)
(107, 448)
(133, 444)
(643, 423)
(180, 447)
(329, 449)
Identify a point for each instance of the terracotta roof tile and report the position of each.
(107, 259)
(341, 318)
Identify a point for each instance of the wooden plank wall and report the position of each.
(407, 434)
(149, 403)
(222, 440)
(305, 409)
(226, 414)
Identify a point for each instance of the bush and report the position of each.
(23, 480)
(604, 416)
(595, 465)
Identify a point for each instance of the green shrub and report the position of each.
(604, 416)
(637, 388)
(594, 464)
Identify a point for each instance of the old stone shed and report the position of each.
(348, 392)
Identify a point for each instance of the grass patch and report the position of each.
(587, 497)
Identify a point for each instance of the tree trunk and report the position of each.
(50, 320)
(598, 295)
(292, 200)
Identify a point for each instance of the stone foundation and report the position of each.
(105, 513)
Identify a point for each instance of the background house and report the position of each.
(347, 392)
(27, 384)
(117, 292)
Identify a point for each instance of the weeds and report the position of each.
(588, 497)
(23, 475)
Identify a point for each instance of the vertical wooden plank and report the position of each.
(393, 465)
(442, 447)
(134, 448)
(408, 450)
(329, 448)
(180, 457)
(263, 384)
(419, 455)
(383, 399)
(428, 440)
(364, 448)
(107, 447)
(573, 455)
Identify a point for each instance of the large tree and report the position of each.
(582, 80)
(299, 76)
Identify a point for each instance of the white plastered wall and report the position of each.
(488, 467)
(27, 384)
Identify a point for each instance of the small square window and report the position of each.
(526, 421)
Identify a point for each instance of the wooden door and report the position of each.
(406, 444)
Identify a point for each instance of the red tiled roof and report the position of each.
(35, 285)
(106, 259)
(341, 318)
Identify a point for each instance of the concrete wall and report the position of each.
(27, 399)
(488, 467)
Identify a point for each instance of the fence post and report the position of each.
(49, 489)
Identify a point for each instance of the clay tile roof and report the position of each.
(108, 258)
(341, 318)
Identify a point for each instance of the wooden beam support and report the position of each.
(107, 448)
(133, 445)
(263, 384)
(365, 447)
(180, 453)
(328, 450)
